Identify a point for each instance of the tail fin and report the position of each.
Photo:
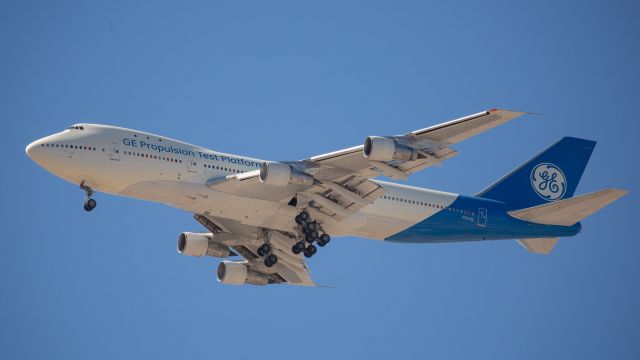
(551, 175)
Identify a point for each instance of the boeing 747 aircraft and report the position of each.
(273, 214)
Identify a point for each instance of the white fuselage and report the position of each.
(145, 166)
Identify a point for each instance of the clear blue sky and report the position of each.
(286, 80)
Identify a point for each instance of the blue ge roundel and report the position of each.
(548, 181)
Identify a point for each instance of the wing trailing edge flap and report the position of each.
(341, 199)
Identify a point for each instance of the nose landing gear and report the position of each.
(89, 202)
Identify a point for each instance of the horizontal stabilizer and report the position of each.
(540, 245)
(569, 211)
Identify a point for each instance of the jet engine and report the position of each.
(194, 244)
(379, 148)
(237, 273)
(279, 174)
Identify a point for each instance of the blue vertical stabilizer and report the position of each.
(552, 175)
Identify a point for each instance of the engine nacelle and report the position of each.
(194, 244)
(379, 148)
(279, 174)
(237, 273)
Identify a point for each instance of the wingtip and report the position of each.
(325, 286)
(620, 192)
(516, 112)
(521, 112)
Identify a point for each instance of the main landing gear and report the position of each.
(89, 202)
(311, 231)
(269, 258)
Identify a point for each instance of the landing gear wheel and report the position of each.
(304, 216)
(310, 250)
(314, 235)
(299, 220)
(90, 204)
(324, 239)
(270, 260)
(312, 226)
(264, 249)
(298, 247)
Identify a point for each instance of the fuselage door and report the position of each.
(482, 217)
(192, 166)
(114, 152)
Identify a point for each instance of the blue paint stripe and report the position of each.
(450, 225)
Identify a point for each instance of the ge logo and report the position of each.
(548, 181)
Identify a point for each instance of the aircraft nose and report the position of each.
(34, 148)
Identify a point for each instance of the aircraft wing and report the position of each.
(338, 183)
(245, 240)
(432, 145)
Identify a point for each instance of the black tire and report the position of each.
(87, 208)
(324, 239)
(309, 239)
(304, 215)
(298, 220)
(264, 249)
(312, 226)
(298, 247)
(314, 234)
(270, 260)
(310, 250)
(92, 203)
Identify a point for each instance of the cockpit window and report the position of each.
(75, 127)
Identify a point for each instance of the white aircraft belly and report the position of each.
(380, 220)
(196, 198)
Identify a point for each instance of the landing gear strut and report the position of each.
(89, 202)
(311, 231)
